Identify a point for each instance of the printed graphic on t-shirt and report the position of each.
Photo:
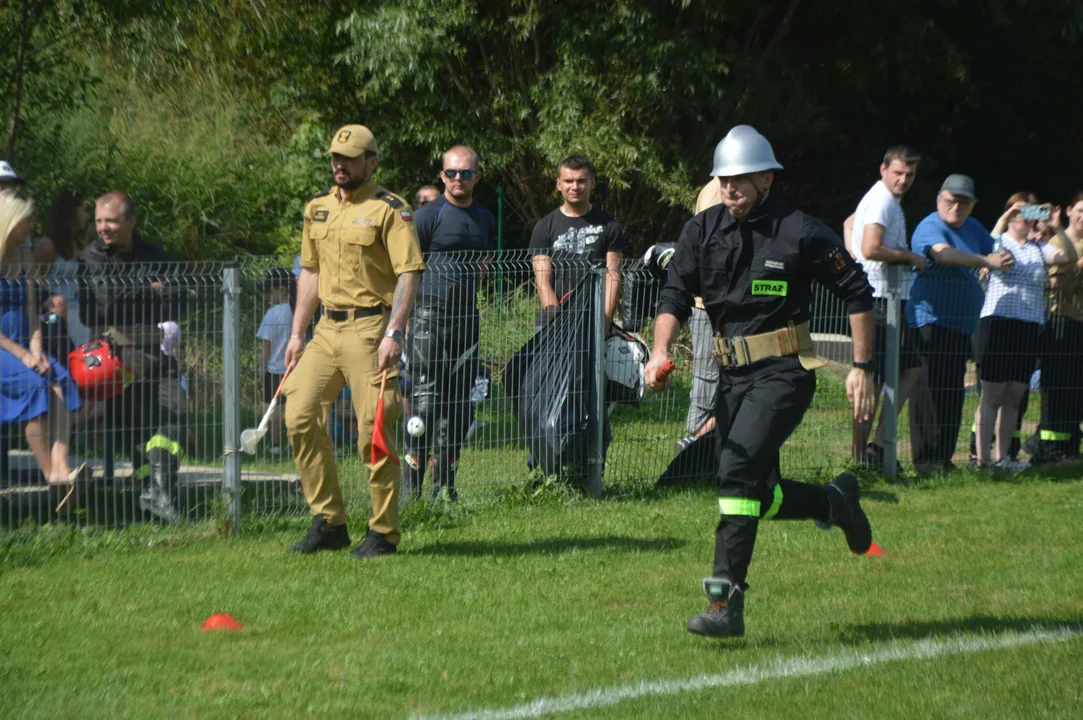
(579, 240)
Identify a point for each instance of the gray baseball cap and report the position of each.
(959, 185)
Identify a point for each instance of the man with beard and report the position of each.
(360, 258)
(442, 353)
(753, 260)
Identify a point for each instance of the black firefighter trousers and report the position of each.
(442, 364)
(757, 408)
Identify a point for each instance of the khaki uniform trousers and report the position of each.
(344, 353)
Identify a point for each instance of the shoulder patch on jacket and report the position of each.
(390, 199)
(321, 193)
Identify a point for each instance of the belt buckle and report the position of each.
(729, 354)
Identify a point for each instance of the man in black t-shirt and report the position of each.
(575, 235)
(456, 235)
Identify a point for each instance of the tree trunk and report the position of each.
(24, 36)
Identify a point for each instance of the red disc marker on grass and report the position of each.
(221, 621)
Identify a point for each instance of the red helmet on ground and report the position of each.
(97, 371)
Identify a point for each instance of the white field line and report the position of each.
(781, 669)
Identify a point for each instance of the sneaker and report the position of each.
(725, 613)
(844, 498)
(1010, 466)
(322, 536)
(373, 546)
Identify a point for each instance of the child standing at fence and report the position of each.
(274, 331)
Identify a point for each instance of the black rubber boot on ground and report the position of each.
(155, 497)
(374, 546)
(725, 613)
(322, 536)
(844, 499)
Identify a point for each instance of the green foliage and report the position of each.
(240, 97)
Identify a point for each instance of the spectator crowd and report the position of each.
(1008, 299)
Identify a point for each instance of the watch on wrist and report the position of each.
(395, 335)
(867, 365)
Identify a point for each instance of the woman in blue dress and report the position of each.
(34, 388)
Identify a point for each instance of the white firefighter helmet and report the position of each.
(742, 151)
(625, 363)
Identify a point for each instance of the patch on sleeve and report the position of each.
(390, 199)
(837, 259)
(405, 214)
(320, 216)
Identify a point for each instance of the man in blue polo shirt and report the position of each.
(945, 302)
(456, 236)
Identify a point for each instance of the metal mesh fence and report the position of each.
(506, 393)
(142, 438)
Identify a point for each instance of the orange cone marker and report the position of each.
(875, 550)
(221, 621)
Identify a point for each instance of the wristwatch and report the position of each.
(867, 366)
(395, 335)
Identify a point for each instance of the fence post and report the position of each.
(893, 342)
(596, 461)
(231, 384)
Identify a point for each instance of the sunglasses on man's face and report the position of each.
(465, 174)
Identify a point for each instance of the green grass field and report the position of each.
(566, 602)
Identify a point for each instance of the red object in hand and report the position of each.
(667, 368)
(380, 448)
(221, 621)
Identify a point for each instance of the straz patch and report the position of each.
(777, 288)
(363, 222)
(776, 265)
(405, 215)
(320, 216)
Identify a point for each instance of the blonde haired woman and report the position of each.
(34, 388)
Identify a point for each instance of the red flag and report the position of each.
(380, 449)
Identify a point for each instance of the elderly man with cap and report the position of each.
(753, 260)
(360, 257)
(944, 305)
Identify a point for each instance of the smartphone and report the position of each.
(1034, 212)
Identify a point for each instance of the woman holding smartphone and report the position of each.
(1011, 321)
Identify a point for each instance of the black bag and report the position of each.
(548, 382)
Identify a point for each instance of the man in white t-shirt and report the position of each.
(878, 239)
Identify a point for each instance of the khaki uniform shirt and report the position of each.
(1067, 299)
(359, 246)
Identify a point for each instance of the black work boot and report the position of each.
(373, 546)
(322, 536)
(155, 496)
(725, 613)
(844, 500)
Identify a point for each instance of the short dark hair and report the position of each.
(576, 162)
(906, 154)
(1076, 199)
(127, 205)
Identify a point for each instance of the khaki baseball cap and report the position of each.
(352, 141)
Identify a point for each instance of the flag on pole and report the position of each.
(380, 448)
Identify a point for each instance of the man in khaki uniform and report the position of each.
(360, 258)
